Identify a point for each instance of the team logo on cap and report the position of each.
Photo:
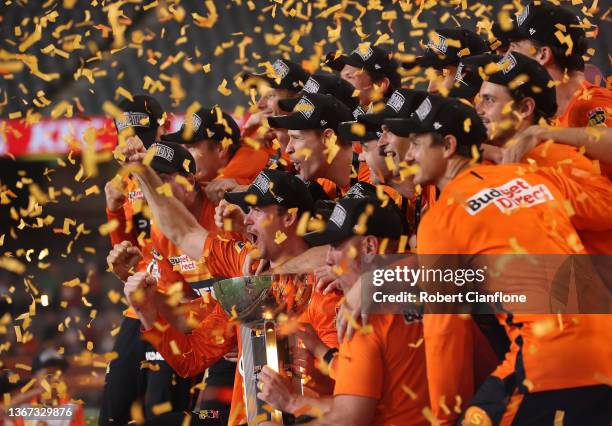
(338, 216)
(396, 101)
(280, 68)
(164, 152)
(438, 42)
(364, 54)
(132, 119)
(312, 86)
(356, 191)
(459, 74)
(424, 109)
(262, 183)
(196, 121)
(304, 107)
(507, 63)
(520, 18)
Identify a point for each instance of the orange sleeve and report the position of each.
(589, 195)
(224, 258)
(595, 111)
(321, 313)
(191, 354)
(359, 369)
(119, 234)
(330, 188)
(246, 163)
(449, 347)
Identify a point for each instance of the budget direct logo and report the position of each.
(509, 196)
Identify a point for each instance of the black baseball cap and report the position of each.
(283, 74)
(358, 216)
(525, 77)
(144, 114)
(372, 59)
(273, 187)
(541, 21)
(327, 84)
(445, 116)
(313, 111)
(448, 46)
(356, 131)
(171, 157)
(49, 358)
(401, 103)
(207, 123)
(467, 78)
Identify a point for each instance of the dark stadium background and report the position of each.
(127, 68)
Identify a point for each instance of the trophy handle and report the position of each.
(272, 360)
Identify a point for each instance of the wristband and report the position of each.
(329, 355)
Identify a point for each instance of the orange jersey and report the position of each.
(332, 190)
(568, 159)
(246, 163)
(590, 106)
(133, 227)
(524, 202)
(387, 364)
(476, 213)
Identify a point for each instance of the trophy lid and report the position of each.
(254, 298)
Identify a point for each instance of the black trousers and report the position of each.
(585, 405)
(126, 381)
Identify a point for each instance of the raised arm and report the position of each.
(171, 216)
(597, 141)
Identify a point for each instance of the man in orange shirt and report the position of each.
(314, 146)
(275, 202)
(524, 84)
(380, 376)
(583, 113)
(476, 221)
(125, 381)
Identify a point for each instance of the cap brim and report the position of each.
(405, 126)
(428, 62)
(463, 91)
(239, 199)
(373, 119)
(345, 130)
(328, 236)
(288, 104)
(337, 64)
(293, 121)
(257, 76)
(162, 166)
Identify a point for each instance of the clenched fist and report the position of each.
(140, 291)
(115, 195)
(122, 258)
(133, 151)
(226, 211)
(218, 187)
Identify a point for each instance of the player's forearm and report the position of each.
(597, 141)
(171, 216)
(317, 407)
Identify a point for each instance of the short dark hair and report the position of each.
(517, 96)
(463, 150)
(572, 62)
(378, 77)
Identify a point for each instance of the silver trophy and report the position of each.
(261, 304)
